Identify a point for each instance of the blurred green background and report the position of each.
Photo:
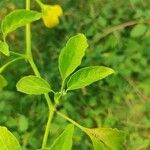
(120, 101)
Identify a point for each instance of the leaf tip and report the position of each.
(113, 71)
(81, 35)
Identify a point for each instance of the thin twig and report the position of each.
(120, 27)
(138, 92)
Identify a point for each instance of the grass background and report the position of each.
(120, 101)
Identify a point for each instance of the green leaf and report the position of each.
(8, 140)
(33, 85)
(22, 123)
(17, 19)
(3, 82)
(4, 48)
(72, 54)
(64, 141)
(106, 138)
(138, 30)
(88, 75)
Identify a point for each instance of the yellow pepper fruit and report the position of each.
(51, 14)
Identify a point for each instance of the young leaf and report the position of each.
(8, 140)
(4, 48)
(72, 54)
(17, 19)
(3, 82)
(64, 141)
(88, 75)
(106, 138)
(33, 85)
(138, 30)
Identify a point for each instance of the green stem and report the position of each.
(35, 69)
(4, 37)
(44, 143)
(33, 66)
(28, 44)
(70, 120)
(9, 63)
(62, 86)
(50, 106)
(28, 33)
(17, 54)
(39, 2)
(49, 103)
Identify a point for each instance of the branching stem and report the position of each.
(70, 120)
(37, 73)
